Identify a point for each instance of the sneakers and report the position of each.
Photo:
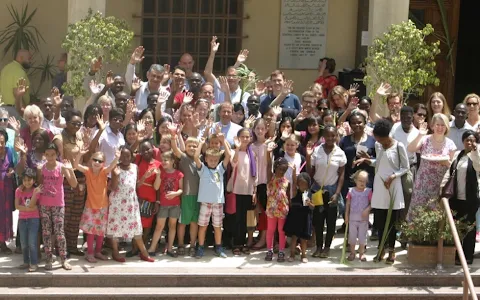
(477, 237)
(269, 255)
(220, 252)
(200, 252)
(281, 257)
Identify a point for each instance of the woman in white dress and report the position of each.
(390, 164)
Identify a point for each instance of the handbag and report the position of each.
(407, 178)
(146, 208)
(231, 198)
(317, 197)
(448, 189)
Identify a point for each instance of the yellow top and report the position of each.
(9, 77)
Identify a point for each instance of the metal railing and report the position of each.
(467, 282)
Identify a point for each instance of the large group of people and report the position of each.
(205, 162)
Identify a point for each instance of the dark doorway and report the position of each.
(467, 73)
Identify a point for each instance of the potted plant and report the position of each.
(425, 229)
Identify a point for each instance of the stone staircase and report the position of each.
(251, 283)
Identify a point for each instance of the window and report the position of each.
(173, 27)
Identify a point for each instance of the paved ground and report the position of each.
(241, 263)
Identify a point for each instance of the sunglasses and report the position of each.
(97, 160)
(3, 119)
(421, 115)
(77, 124)
(472, 103)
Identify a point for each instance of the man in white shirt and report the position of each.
(405, 132)
(459, 126)
(155, 76)
(49, 122)
(232, 78)
(111, 139)
(229, 129)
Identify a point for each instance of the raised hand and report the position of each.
(38, 190)
(96, 64)
(57, 99)
(423, 128)
(249, 121)
(224, 84)
(21, 147)
(384, 89)
(67, 164)
(285, 134)
(277, 110)
(353, 90)
(94, 87)
(236, 142)
(214, 45)
(287, 87)
(141, 127)
(14, 123)
(221, 137)
(21, 88)
(323, 64)
(260, 88)
(166, 74)
(218, 128)
(173, 129)
(242, 56)
(271, 146)
(196, 119)
(109, 78)
(353, 104)
(302, 115)
(137, 55)
(188, 97)
(163, 96)
(101, 125)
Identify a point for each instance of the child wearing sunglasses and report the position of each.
(95, 214)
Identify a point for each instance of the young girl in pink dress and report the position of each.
(52, 205)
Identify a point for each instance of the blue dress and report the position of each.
(350, 149)
(299, 219)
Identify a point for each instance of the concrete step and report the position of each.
(259, 278)
(277, 293)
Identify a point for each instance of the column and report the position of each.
(77, 10)
(382, 14)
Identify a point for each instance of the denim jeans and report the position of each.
(28, 239)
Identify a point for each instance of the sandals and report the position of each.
(246, 250)
(351, 257)
(49, 264)
(66, 265)
(317, 253)
(236, 251)
(90, 259)
(32, 268)
(390, 259)
(181, 250)
(362, 258)
(100, 256)
(325, 253)
(170, 253)
(291, 258)
(192, 252)
(269, 256)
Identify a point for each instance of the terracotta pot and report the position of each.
(427, 255)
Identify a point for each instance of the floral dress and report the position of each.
(124, 213)
(430, 174)
(277, 199)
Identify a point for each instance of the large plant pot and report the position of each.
(427, 255)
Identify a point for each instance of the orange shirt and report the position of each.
(97, 189)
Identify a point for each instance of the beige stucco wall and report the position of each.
(262, 29)
(50, 20)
